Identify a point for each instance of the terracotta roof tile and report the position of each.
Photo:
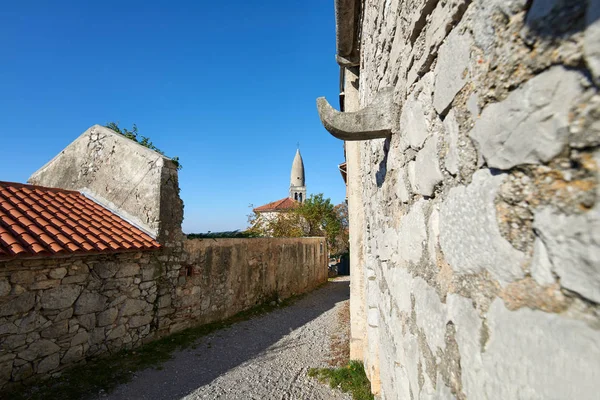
(279, 205)
(36, 220)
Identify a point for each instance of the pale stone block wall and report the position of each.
(482, 211)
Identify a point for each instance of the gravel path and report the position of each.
(264, 358)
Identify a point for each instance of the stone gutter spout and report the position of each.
(372, 122)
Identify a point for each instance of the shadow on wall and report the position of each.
(227, 349)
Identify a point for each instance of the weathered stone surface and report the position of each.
(58, 273)
(415, 120)
(32, 321)
(48, 364)
(133, 306)
(541, 267)
(164, 301)
(4, 288)
(412, 234)
(79, 278)
(402, 191)
(469, 233)
(80, 338)
(137, 321)
(524, 341)
(573, 246)
(20, 304)
(531, 125)
(7, 328)
(117, 332)
(23, 277)
(591, 42)
(89, 303)
(38, 349)
(107, 317)
(88, 321)
(22, 372)
(72, 355)
(128, 270)
(56, 330)
(46, 284)
(427, 169)
(452, 69)
(6, 368)
(60, 297)
(106, 270)
(451, 128)
(372, 122)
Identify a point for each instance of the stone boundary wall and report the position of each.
(482, 210)
(221, 277)
(55, 312)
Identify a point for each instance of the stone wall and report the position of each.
(55, 312)
(221, 277)
(137, 183)
(480, 213)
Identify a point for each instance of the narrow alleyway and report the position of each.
(264, 358)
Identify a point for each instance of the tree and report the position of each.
(342, 240)
(144, 141)
(315, 217)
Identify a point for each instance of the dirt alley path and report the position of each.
(267, 357)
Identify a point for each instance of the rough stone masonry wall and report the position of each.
(482, 230)
(55, 312)
(221, 277)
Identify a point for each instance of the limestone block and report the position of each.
(140, 320)
(401, 189)
(117, 332)
(45, 284)
(106, 270)
(541, 267)
(542, 355)
(427, 169)
(591, 41)
(89, 303)
(72, 355)
(80, 278)
(107, 317)
(56, 330)
(133, 306)
(372, 122)
(431, 314)
(573, 246)
(6, 368)
(20, 304)
(22, 277)
(531, 125)
(452, 69)
(469, 235)
(14, 341)
(482, 22)
(4, 288)
(127, 270)
(22, 372)
(65, 314)
(40, 348)
(48, 364)
(88, 321)
(58, 273)
(32, 321)
(451, 128)
(7, 328)
(60, 297)
(80, 338)
(414, 125)
(412, 234)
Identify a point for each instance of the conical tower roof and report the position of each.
(297, 177)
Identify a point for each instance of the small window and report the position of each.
(300, 197)
(295, 196)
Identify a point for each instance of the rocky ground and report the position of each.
(263, 358)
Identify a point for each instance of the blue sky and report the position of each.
(229, 87)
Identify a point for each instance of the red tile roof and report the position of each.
(40, 221)
(279, 205)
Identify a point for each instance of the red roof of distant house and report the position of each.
(40, 221)
(279, 205)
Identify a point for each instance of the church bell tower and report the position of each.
(297, 182)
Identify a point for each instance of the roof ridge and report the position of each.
(29, 185)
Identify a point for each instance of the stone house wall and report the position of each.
(476, 224)
(55, 312)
